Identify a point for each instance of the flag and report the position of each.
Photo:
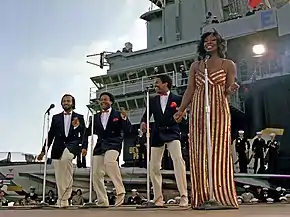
(254, 3)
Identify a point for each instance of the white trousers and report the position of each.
(174, 148)
(106, 164)
(64, 177)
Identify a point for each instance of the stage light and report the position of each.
(259, 49)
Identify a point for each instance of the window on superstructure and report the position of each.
(140, 102)
(188, 63)
(122, 104)
(178, 64)
(141, 73)
(150, 72)
(123, 77)
(107, 80)
(132, 75)
(132, 104)
(169, 67)
(115, 79)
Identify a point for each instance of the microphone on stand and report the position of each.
(207, 57)
(50, 107)
(150, 86)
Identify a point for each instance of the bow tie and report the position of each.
(105, 111)
(162, 94)
(65, 113)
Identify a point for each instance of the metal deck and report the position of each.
(277, 210)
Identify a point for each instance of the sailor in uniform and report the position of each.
(242, 148)
(247, 196)
(258, 148)
(273, 152)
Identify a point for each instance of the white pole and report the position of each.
(208, 133)
(91, 167)
(148, 145)
(45, 159)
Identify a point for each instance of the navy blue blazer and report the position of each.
(57, 135)
(165, 128)
(112, 137)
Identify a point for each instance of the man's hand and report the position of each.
(143, 127)
(84, 152)
(123, 113)
(76, 122)
(40, 156)
(179, 115)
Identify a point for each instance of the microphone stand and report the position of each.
(148, 204)
(90, 204)
(211, 204)
(43, 203)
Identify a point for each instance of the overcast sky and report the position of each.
(42, 56)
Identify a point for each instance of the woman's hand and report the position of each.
(233, 88)
(179, 115)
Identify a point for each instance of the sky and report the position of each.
(43, 48)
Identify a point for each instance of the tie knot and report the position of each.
(105, 111)
(162, 94)
(66, 113)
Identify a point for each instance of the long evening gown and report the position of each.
(222, 163)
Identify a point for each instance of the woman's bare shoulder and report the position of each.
(195, 65)
(228, 62)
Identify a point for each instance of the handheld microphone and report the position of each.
(50, 107)
(207, 57)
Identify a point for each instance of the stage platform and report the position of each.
(271, 210)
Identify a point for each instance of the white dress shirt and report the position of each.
(105, 117)
(163, 101)
(67, 122)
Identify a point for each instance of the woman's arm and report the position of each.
(231, 70)
(187, 96)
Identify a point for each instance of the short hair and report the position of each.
(221, 45)
(111, 96)
(73, 100)
(165, 79)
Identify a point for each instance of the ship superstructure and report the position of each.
(173, 31)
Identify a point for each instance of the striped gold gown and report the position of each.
(222, 163)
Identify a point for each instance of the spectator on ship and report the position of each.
(112, 197)
(31, 197)
(242, 149)
(50, 199)
(215, 20)
(3, 200)
(273, 153)
(135, 198)
(78, 199)
(247, 196)
(73, 193)
(183, 75)
(259, 194)
(258, 148)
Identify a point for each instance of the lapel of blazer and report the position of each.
(61, 120)
(99, 120)
(169, 100)
(158, 107)
(73, 115)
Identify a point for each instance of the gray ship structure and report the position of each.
(173, 31)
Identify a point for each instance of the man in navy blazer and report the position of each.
(66, 133)
(110, 126)
(166, 132)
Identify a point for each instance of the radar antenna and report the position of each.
(103, 62)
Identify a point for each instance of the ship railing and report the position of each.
(130, 86)
(140, 84)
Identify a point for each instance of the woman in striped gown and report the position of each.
(221, 83)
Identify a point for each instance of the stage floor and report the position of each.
(274, 210)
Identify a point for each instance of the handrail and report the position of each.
(135, 85)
